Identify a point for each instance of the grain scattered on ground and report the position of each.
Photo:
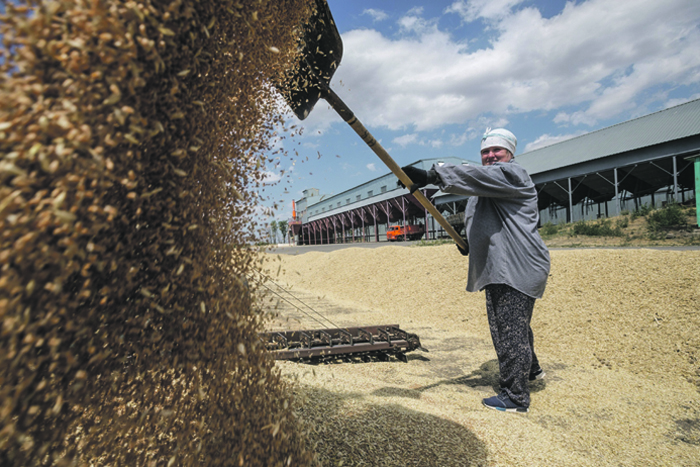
(616, 333)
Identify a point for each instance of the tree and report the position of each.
(273, 231)
(283, 225)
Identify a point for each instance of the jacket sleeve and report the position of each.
(501, 180)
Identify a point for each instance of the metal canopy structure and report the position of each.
(639, 158)
(349, 224)
(622, 179)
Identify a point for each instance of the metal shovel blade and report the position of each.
(321, 51)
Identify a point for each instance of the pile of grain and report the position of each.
(616, 333)
(131, 141)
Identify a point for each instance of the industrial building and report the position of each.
(647, 160)
(364, 213)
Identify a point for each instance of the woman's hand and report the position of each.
(419, 177)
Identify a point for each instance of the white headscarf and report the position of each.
(500, 137)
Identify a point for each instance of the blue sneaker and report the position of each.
(537, 374)
(503, 403)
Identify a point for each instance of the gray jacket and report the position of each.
(501, 225)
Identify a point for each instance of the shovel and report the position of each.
(320, 57)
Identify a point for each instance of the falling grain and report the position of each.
(119, 294)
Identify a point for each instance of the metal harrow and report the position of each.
(383, 341)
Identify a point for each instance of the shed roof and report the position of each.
(663, 126)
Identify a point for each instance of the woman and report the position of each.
(509, 260)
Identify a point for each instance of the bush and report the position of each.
(549, 229)
(622, 222)
(670, 216)
(596, 229)
(644, 210)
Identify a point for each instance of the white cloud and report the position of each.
(270, 178)
(602, 55)
(413, 22)
(477, 130)
(459, 140)
(574, 118)
(548, 140)
(675, 102)
(471, 10)
(371, 167)
(377, 15)
(405, 140)
(412, 138)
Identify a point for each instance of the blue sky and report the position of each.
(428, 77)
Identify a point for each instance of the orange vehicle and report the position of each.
(397, 232)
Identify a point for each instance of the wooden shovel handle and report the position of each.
(347, 115)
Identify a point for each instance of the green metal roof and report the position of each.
(663, 126)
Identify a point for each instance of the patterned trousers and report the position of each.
(509, 313)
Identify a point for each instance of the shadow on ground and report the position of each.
(349, 431)
(485, 377)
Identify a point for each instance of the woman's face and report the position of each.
(490, 156)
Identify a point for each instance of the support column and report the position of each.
(376, 229)
(364, 233)
(571, 203)
(425, 213)
(675, 180)
(352, 225)
(387, 211)
(405, 227)
(697, 188)
(617, 194)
